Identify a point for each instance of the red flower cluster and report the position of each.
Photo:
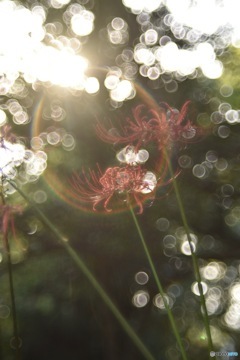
(6, 215)
(5, 134)
(145, 127)
(133, 181)
(162, 127)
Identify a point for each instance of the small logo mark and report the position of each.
(212, 353)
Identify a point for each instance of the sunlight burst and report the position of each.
(23, 51)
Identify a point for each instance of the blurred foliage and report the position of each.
(59, 314)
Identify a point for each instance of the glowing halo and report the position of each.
(61, 188)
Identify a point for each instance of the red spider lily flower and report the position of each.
(7, 219)
(131, 181)
(180, 127)
(163, 127)
(146, 126)
(5, 134)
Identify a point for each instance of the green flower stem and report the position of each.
(81, 265)
(16, 339)
(194, 256)
(159, 286)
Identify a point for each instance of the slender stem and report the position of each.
(193, 255)
(81, 265)
(159, 286)
(17, 340)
